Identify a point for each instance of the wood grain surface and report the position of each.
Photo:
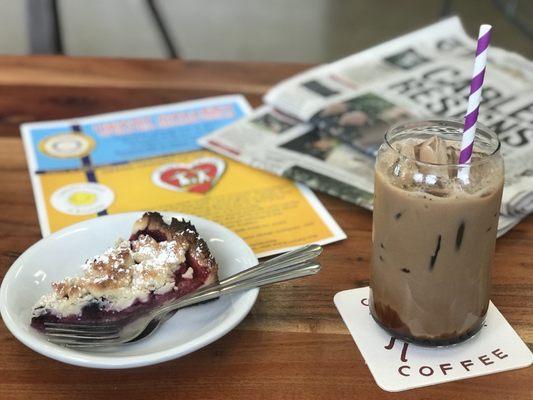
(293, 344)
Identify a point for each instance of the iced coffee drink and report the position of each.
(434, 232)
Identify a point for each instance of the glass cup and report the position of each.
(434, 231)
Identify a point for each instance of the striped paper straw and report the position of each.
(469, 131)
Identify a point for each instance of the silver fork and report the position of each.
(288, 266)
(93, 336)
(302, 254)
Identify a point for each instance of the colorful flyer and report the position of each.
(149, 159)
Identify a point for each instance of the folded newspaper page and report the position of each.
(323, 127)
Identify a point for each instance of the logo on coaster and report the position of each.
(198, 176)
(82, 198)
(67, 145)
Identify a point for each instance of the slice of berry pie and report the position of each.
(158, 263)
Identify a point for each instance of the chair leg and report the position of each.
(44, 28)
(163, 31)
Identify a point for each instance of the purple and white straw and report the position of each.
(469, 131)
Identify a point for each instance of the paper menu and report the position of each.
(148, 159)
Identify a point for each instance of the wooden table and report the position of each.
(293, 344)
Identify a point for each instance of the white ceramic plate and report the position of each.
(62, 253)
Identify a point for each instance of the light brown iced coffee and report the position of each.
(434, 233)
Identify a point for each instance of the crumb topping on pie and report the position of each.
(156, 260)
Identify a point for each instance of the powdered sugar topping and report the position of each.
(122, 274)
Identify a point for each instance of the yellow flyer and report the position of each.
(154, 163)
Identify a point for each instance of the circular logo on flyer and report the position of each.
(67, 145)
(82, 198)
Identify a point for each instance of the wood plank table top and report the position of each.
(293, 344)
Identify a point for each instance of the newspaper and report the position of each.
(324, 126)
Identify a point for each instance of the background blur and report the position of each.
(258, 30)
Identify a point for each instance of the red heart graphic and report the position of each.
(198, 176)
